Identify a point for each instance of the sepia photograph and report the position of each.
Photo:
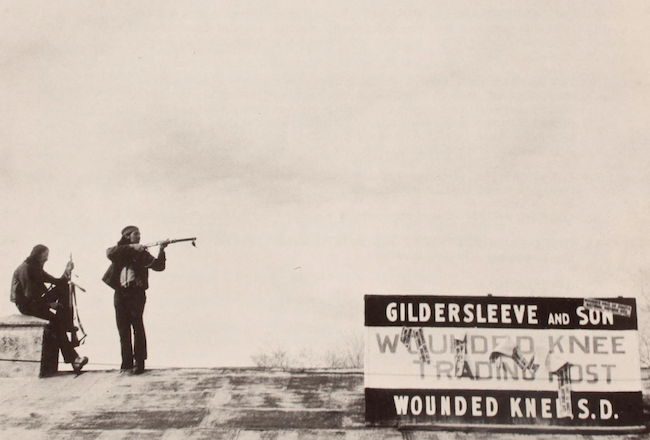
(324, 219)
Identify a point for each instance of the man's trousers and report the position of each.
(129, 308)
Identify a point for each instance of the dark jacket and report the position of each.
(139, 262)
(27, 284)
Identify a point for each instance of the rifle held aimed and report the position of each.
(177, 240)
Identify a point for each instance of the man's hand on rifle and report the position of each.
(164, 244)
(138, 247)
(68, 269)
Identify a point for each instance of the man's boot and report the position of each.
(139, 367)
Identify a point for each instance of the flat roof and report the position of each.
(204, 404)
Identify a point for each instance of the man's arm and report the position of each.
(157, 264)
(64, 278)
(120, 252)
(50, 279)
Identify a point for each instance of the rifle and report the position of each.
(65, 300)
(168, 241)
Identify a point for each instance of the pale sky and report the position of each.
(322, 151)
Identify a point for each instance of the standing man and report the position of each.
(129, 276)
(28, 291)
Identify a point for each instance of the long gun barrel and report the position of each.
(177, 240)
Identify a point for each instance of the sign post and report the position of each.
(503, 362)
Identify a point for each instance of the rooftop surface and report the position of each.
(221, 404)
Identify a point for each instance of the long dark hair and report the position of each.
(124, 240)
(34, 264)
(33, 259)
